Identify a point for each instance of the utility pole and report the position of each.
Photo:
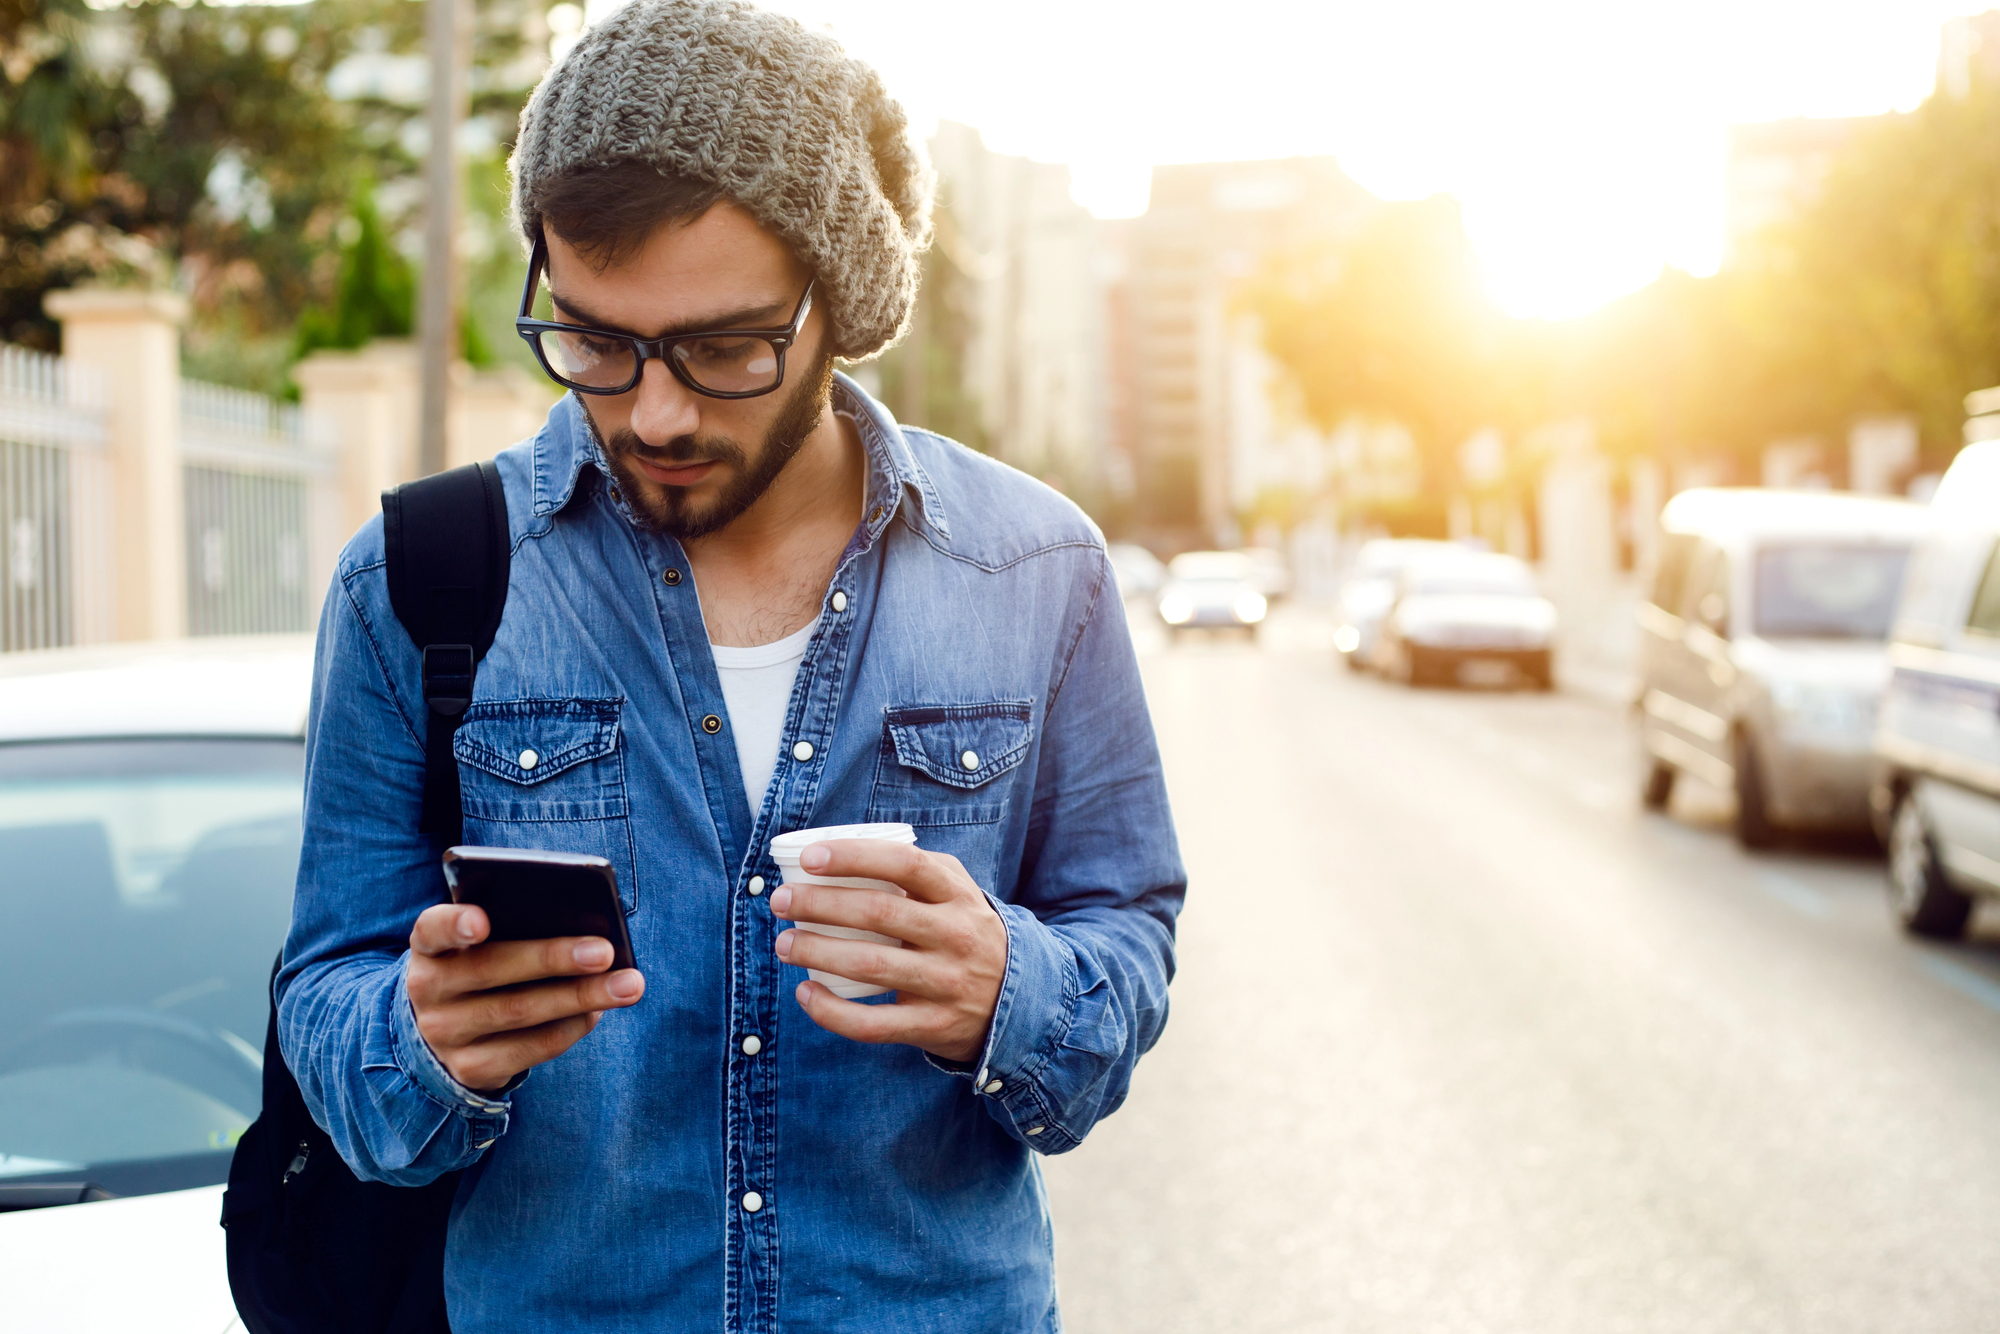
(448, 30)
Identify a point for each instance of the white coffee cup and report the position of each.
(786, 849)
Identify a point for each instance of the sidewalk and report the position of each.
(1595, 646)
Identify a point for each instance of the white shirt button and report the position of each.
(970, 760)
(839, 600)
(756, 885)
(980, 1078)
(994, 1086)
(752, 1201)
(752, 1045)
(803, 751)
(484, 1144)
(529, 759)
(1036, 1130)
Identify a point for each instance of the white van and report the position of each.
(1763, 651)
(1937, 791)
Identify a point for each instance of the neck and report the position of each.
(763, 575)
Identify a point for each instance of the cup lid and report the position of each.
(787, 847)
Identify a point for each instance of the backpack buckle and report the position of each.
(447, 678)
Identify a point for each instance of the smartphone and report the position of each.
(529, 894)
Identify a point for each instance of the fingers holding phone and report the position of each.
(506, 978)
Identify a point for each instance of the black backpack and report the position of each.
(311, 1246)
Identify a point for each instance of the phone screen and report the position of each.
(529, 894)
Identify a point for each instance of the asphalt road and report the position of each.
(1464, 1041)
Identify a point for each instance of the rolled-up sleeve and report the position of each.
(1090, 930)
(365, 874)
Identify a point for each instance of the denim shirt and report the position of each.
(973, 611)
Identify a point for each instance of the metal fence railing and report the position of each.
(256, 473)
(55, 558)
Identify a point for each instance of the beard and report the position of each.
(672, 510)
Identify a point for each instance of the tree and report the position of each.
(1393, 324)
(1890, 287)
(375, 296)
(214, 147)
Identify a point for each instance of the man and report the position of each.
(743, 601)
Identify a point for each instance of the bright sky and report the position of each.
(1585, 137)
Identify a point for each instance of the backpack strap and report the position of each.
(446, 541)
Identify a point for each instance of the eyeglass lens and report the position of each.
(594, 363)
(730, 365)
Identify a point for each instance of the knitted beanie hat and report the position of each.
(772, 115)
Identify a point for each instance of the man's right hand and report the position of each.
(490, 1011)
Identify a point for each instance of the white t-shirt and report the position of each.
(756, 688)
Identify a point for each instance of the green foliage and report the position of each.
(1884, 296)
(1392, 323)
(375, 296)
(1887, 294)
(923, 378)
(204, 146)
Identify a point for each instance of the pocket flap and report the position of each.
(530, 741)
(961, 745)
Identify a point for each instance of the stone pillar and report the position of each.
(368, 397)
(491, 410)
(131, 340)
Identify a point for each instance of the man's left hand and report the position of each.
(947, 976)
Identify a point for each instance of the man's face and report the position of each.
(690, 464)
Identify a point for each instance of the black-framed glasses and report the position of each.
(721, 363)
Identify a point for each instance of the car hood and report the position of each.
(1207, 592)
(151, 1262)
(1368, 598)
(1840, 663)
(1470, 609)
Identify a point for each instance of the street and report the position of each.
(1463, 1040)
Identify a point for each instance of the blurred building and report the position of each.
(1969, 54)
(1026, 292)
(1776, 170)
(1189, 406)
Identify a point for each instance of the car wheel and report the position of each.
(1923, 901)
(1411, 669)
(1541, 672)
(1753, 816)
(1656, 785)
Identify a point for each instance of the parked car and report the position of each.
(1763, 651)
(1138, 571)
(1273, 572)
(1370, 587)
(1468, 617)
(1212, 590)
(150, 800)
(1936, 797)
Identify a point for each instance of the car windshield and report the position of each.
(1474, 583)
(1827, 590)
(1211, 567)
(145, 887)
(1389, 558)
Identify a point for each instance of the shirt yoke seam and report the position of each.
(1063, 545)
(374, 645)
(1076, 640)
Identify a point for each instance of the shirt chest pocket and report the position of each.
(949, 764)
(548, 773)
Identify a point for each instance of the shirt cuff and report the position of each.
(1036, 1004)
(487, 1113)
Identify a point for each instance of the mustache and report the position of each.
(679, 452)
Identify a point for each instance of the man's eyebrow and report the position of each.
(769, 316)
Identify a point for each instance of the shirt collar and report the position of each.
(897, 483)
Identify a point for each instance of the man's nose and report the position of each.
(663, 408)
